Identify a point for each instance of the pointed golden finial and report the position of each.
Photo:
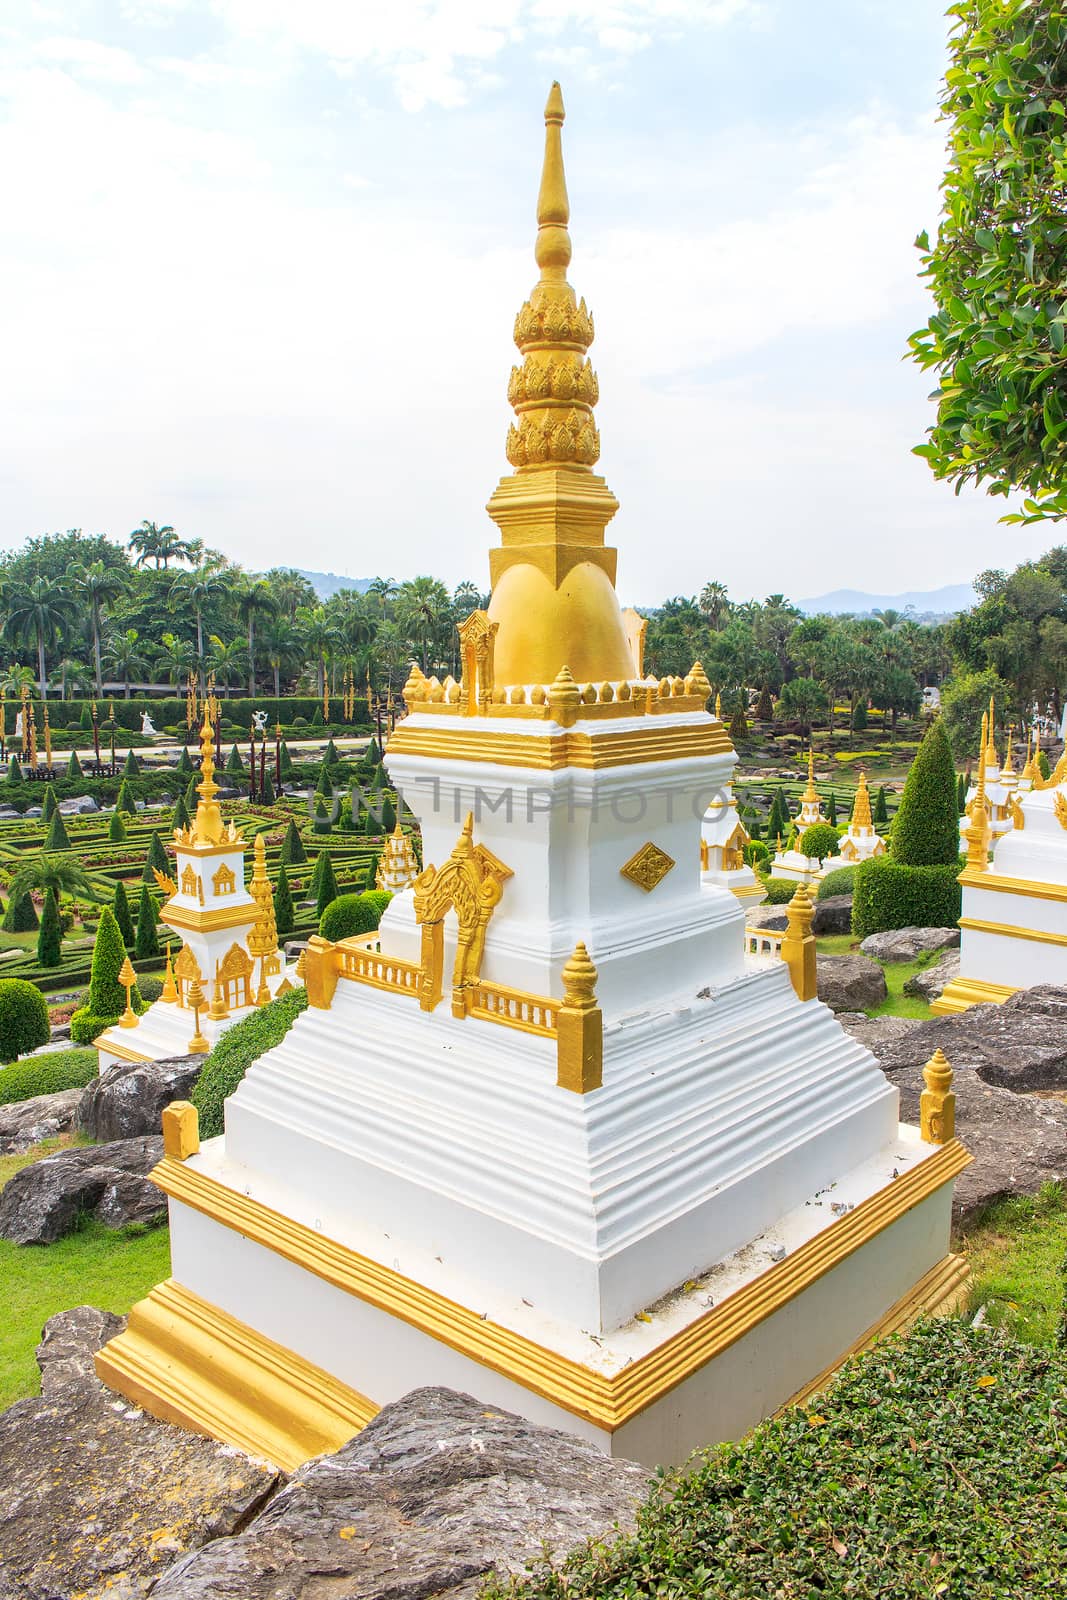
(718, 705)
(861, 809)
(991, 747)
(978, 832)
(170, 988)
(937, 1103)
(811, 793)
(1028, 769)
(207, 824)
(798, 946)
(552, 251)
(1007, 770)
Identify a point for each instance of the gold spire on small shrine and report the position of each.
(1007, 770)
(263, 936)
(991, 747)
(553, 577)
(207, 828)
(811, 794)
(978, 832)
(1029, 772)
(861, 808)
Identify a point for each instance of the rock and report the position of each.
(1020, 1045)
(59, 1030)
(128, 1099)
(833, 915)
(33, 811)
(436, 1493)
(98, 1497)
(43, 1202)
(293, 947)
(907, 944)
(929, 983)
(773, 918)
(877, 1033)
(80, 805)
(849, 983)
(44, 1117)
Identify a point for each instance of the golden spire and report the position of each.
(811, 793)
(553, 577)
(861, 809)
(991, 748)
(1007, 770)
(1029, 772)
(263, 935)
(977, 834)
(207, 824)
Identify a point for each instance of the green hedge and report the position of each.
(171, 711)
(931, 1466)
(348, 915)
(887, 894)
(235, 1052)
(841, 881)
(779, 890)
(819, 841)
(23, 1018)
(62, 1069)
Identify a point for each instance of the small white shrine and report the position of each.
(860, 842)
(1013, 924)
(791, 862)
(552, 1140)
(397, 867)
(1001, 784)
(229, 961)
(723, 837)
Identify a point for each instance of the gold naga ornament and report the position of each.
(470, 886)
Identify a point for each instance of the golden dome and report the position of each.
(545, 626)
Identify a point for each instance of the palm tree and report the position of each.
(99, 585)
(207, 584)
(422, 607)
(159, 544)
(379, 592)
(125, 653)
(36, 612)
(254, 599)
(282, 647)
(227, 660)
(174, 658)
(13, 680)
(73, 674)
(319, 635)
(64, 874)
(715, 604)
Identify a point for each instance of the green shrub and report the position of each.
(292, 852)
(125, 801)
(299, 722)
(379, 899)
(778, 817)
(233, 760)
(267, 795)
(50, 934)
(316, 717)
(23, 1018)
(926, 828)
(388, 815)
(120, 905)
(47, 1074)
(191, 796)
(323, 784)
(1043, 765)
(831, 810)
(889, 894)
(283, 904)
(116, 828)
(373, 753)
(819, 841)
(756, 854)
(151, 988)
(21, 914)
(765, 706)
(107, 996)
(780, 890)
(286, 762)
(348, 915)
(880, 812)
(60, 1069)
(859, 715)
(184, 764)
(181, 813)
(132, 769)
(331, 756)
(146, 944)
(324, 881)
(86, 1025)
(58, 838)
(74, 766)
(839, 881)
(156, 858)
(961, 793)
(48, 804)
(235, 1052)
(738, 726)
(14, 770)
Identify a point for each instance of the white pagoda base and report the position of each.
(164, 1030)
(399, 1201)
(800, 868)
(742, 883)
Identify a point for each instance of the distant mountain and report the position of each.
(924, 603)
(327, 584)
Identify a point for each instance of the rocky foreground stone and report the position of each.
(98, 1499)
(30, 1122)
(128, 1099)
(849, 983)
(439, 1491)
(47, 1199)
(908, 944)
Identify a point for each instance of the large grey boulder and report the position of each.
(1020, 1045)
(833, 915)
(436, 1493)
(128, 1099)
(28, 1122)
(45, 1201)
(77, 806)
(849, 983)
(930, 982)
(766, 916)
(96, 1497)
(877, 1033)
(908, 944)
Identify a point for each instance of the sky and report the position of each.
(260, 261)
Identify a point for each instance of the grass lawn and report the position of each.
(897, 973)
(94, 1266)
(1017, 1250)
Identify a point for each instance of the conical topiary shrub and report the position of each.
(132, 769)
(48, 804)
(125, 801)
(233, 760)
(292, 850)
(58, 838)
(146, 944)
(926, 828)
(192, 799)
(323, 785)
(283, 904)
(181, 813)
(961, 794)
(156, 858)
(116, 828)
(106, 1000)
(21, 914)
(120, 907)
(267, 797)
(50, 934)
(388, 814)
(322, 822)
(14, 770)
(326, 888)
(74, 766)
(285, 762)
(880, 813)
(184, 765)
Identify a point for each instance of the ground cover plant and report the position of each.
(47, 1074)
(932, 1466)
(1017, 1249)
(235, 1052)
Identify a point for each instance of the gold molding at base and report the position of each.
(179, 917)
(962, 993)
(657, 740)
(186, 1361)
(935, 1295)
(120, 1052)
(607, 1402)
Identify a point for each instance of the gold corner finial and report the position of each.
(937, 1103)
(552, 251)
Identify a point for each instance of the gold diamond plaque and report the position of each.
(648, 867)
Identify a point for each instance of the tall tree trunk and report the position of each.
(41, 667)
(251, 658)
(200, 651)
(96, 652)
(277, 681)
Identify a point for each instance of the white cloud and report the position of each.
(85, 58)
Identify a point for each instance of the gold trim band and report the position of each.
(607, 1402)
(1011, 932)
(575, 748)
(186, 1361)
(240, 916)
(1033, 887)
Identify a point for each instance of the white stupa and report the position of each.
(792, 862)
(860, 842)
(229, 960)
(723, 837)
(555, 1143)
(397, 867)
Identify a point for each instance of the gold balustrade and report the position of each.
(533, 1013)
(363, 962)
